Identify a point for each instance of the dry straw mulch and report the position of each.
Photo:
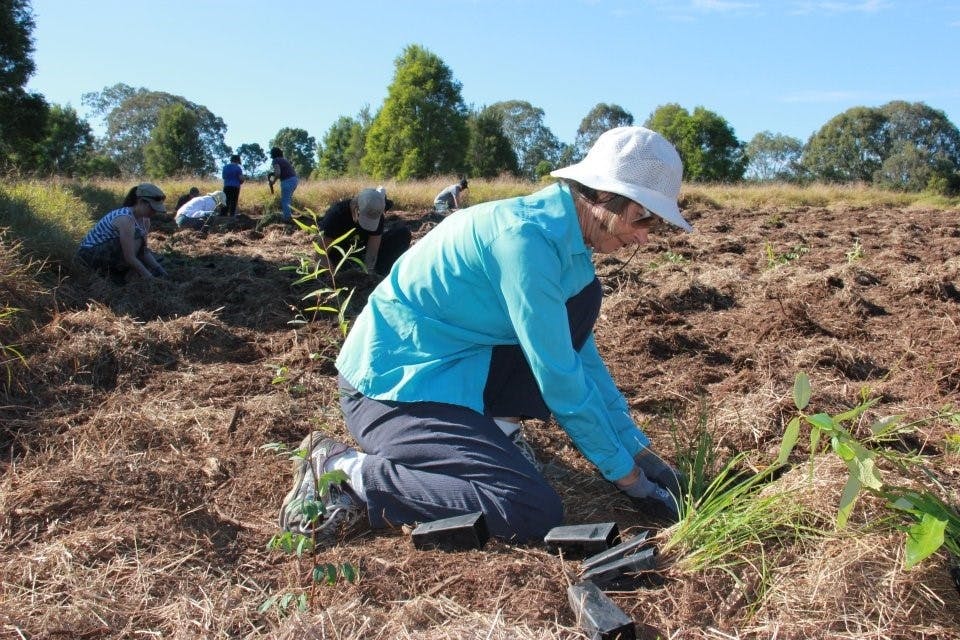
(136, 501)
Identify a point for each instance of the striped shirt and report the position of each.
(105, 231)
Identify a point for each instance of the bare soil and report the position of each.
(136, 500)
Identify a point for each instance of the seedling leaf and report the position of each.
(801, 391)
(790, 437)
(924, 538)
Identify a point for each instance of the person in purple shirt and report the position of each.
(283, 172)
(232, 179)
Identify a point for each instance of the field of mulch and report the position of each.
(137, 500)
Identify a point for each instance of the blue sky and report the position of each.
(785, 66)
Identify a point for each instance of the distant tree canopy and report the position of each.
(131, 114)
(299, 148)
(899, 145)
(773, 156)
(421, 129)
(341, 151)
(489, 152)
(252, 156)
(24, 114)
(707, 144)
(601, 118)
(175, 148)
(537, 149)
(66, 146)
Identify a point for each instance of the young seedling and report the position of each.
(297, 544)
(326, 262)
(935, 522)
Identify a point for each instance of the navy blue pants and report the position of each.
(430, 460)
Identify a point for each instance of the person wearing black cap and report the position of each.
(363, 214)
(118, 242)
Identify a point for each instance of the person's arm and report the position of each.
(373, 250)
(153, 264)
(456, 198)
(527, 270)
(128, 244)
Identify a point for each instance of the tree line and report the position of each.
(424, 128)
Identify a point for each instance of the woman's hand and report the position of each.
(635, 484)
(658, 470)
(648, 496)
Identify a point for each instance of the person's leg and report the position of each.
(190, 223)
(393, 243)
(287, 187)
(426, 461)
(511, 389)
(233, 195)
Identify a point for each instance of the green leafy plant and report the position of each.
(298, 544)
(326, 263)
(731, 516)
(856, 252)
(775, 259)
(934, 523)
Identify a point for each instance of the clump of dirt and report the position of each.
(137, 497)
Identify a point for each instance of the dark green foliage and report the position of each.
(175, 147)
(900, 145)
(774, 156)
(537, 149)
(707, 144)
(252, 156)
(923, 149)
(341, 150)
(66, 143)
(131, 114)
(421, 130)
(489, 153)
(849, 148)
(23, 113)
(601, 118)
(298, 147)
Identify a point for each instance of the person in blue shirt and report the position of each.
(486, 320)
(232, 179)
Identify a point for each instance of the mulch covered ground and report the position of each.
(136, 499)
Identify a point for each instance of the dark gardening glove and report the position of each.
(648, 496)
(658, 470)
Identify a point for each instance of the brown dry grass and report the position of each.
(136, 501)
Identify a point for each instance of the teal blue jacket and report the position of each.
(497, 273)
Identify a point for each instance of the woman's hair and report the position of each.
(463, 183)
(131, 198)
(276, 152)
(612, 202)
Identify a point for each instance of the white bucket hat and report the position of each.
(637, 163)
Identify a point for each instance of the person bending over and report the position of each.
(197, 212)
(117, 244)
(486, 320)
(364, 215)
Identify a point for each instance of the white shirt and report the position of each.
(199, 207)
